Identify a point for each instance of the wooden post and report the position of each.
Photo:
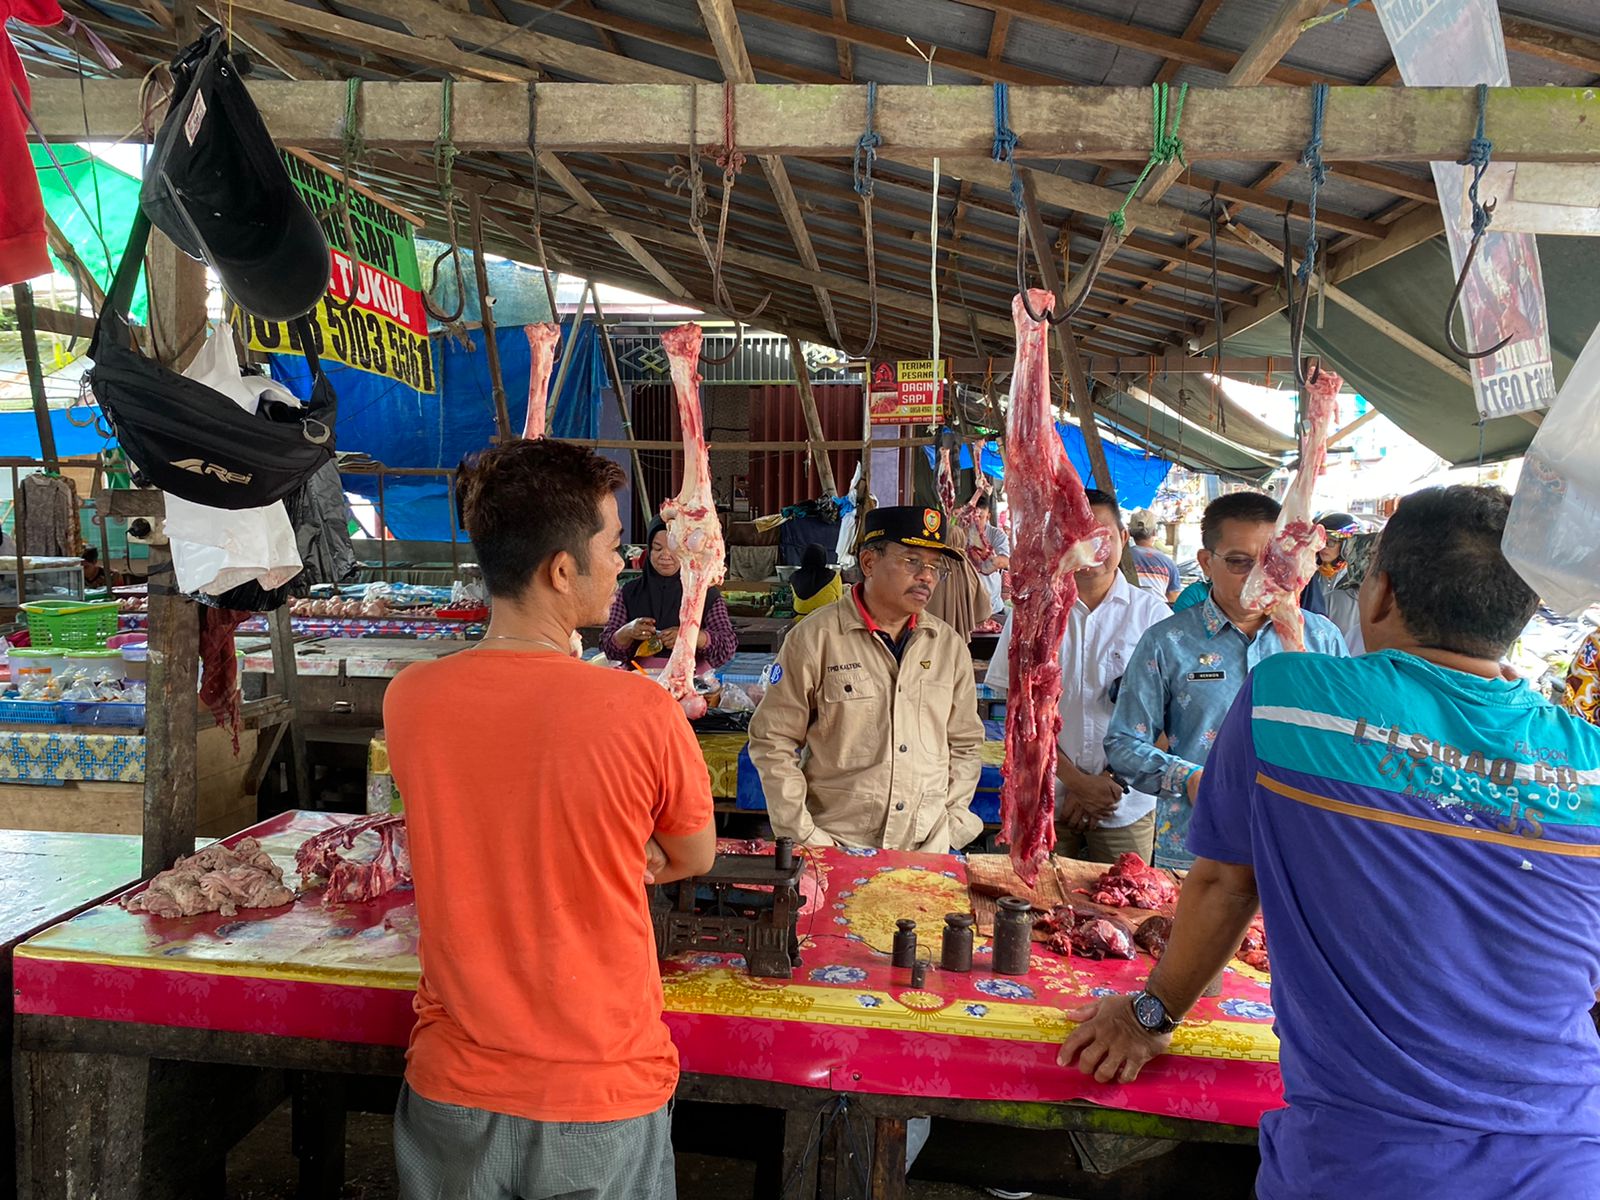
(177, 291)
(641, 490)
(566, 354)
(170, 726)
(497, 383)
(808, 403)
(22, 293)
(286, 678)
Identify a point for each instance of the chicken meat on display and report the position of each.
(542, 341)
(693, 531)
(1290, 558)
(1054, 534)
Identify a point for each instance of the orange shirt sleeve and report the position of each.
(683, 796)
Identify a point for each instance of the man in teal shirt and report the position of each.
(1186, 671)
(1423, 835)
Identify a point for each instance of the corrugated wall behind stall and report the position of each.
(775, 478)
(781, 478)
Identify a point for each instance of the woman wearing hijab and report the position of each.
(643, 626)
(816, 584)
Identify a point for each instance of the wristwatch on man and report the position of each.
(1152, 1014)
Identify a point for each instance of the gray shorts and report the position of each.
(446, 1152)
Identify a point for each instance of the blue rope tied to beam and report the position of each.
(1311, 157)
(1479, 151)
(1006, 142)
(867, 146)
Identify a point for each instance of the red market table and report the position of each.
(310, 989)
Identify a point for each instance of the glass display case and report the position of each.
(42, 579)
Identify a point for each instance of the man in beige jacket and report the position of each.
(869, 733)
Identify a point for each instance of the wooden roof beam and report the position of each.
(723, 26)
(569, 183)
(1270, 45)
(609, 22)
(1076, 22)
(1552, 44)
(1402, 124)
(1410, 230)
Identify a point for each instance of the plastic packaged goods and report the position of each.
(1552, 536)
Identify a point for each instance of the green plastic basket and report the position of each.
(74, 624)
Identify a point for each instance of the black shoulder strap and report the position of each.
(120, 297)
(308, 342)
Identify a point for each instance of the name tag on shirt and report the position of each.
(1206, 676)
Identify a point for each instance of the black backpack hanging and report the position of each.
(194, 442)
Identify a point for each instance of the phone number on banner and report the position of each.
(357, 338)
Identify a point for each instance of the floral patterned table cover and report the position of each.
(847, 1020)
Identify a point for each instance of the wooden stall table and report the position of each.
(91, 779)
(48, 877)
(761, 633)
(342, 680)
(310, 990)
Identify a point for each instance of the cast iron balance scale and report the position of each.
(721, 913)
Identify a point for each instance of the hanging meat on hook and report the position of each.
(946, 481)
(1054, 534)
(971, 518)
(1286, 565)
(542, 341)
(693, 531)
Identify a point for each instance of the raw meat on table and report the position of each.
(1102, 937)
(1253, 950)
(1153, 935)
(220, 879)
(1088, 935)
(351, 879)
(1054, 534)
(693, 531)
(1290, 559)
(542, 340)
(1133, 883)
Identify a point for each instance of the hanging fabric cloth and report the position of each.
(47, 517)
(22, 239)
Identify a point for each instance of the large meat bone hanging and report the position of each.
(693, 531)
(542, 340)
(1054, 534)
(1287, 563)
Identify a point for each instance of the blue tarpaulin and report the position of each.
(1136, 476)
(19, 433)
(401, 427)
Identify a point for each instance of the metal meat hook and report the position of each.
(1066, 314)
(1455, 300)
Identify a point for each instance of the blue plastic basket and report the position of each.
(29, 712)
(101, 712)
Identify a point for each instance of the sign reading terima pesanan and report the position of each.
(372, 316)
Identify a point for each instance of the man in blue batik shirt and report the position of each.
(1423, 837)
(1186, 671)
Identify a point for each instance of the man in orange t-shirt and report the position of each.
(541, 794)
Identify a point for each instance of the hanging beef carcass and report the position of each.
(1290, 558)
(1054, 534)
(945, 482)
(693, 531)
(542, 341)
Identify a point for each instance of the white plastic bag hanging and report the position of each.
(217, 549)
(1552, 536)
(843, 551)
